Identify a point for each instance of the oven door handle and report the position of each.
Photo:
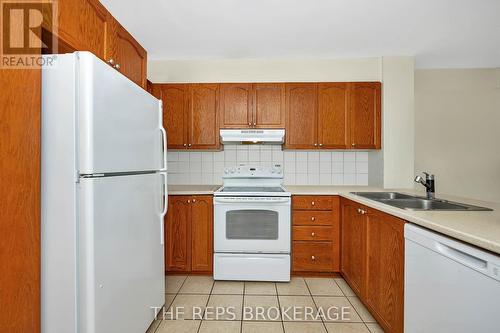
(246, 201)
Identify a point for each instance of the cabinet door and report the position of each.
(203, 116)
(175, 115)
(178, 234)
(333, 102)
(83, 25)
(127, 54)
(385, 274)
(301, 116)
(365, 120)
(236, 105)
(201, 234)
(269, 105)
(353, 263)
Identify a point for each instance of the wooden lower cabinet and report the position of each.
(201, 234)
(178, 234)
(353, 239)
(373, 261)
(385, 270)
(315, 234)
(189, 234)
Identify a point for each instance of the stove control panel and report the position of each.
(249, 171)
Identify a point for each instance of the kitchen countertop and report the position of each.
(479, 228)
(192, 189)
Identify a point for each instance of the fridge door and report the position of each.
(121, 252)
(119, 123)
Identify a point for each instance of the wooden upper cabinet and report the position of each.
(301, 115)
(125, 53)
(236, 105)
(178, 234)
(190, 115)
(268, 105)
(175, 115)
(333, 115)
(203, 112)
(201, 234)
(83, 25)
(365, 122)
(385, 273)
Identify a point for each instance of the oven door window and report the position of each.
(252, 224)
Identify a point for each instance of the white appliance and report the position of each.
(449, 286)
(251, 136)
(252, 225)
(103, 199)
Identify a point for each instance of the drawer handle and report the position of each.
(313, 218)
(313, 203)
(312, 234)
(313, 258)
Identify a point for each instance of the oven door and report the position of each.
(252, 224)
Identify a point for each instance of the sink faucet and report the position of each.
(428, 183)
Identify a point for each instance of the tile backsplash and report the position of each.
(300, 167)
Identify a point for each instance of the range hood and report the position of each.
(252, 136)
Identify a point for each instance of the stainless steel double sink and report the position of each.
(411, 202)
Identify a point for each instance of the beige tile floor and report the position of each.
(206, 294)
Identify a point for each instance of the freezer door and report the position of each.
(119, 123)
(121, 263)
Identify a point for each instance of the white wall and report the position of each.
(398, 121)
(458, 130)
(250, 70)
(393, 166)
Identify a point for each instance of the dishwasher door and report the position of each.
(449, 286)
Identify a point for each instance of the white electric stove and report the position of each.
(252, 225)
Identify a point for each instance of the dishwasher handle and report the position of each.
(462, 257)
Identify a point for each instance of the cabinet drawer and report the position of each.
(313, 202)
(312, 233)
(312, 217)
(312, 256)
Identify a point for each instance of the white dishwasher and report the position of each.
(449, 286)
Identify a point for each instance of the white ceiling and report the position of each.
(439, 33)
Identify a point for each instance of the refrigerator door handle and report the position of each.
(165, 207)
(164, 139)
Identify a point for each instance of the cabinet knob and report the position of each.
(353, 144)
(313, 218)
(194, 200)
(321, 145)
(189, 145)
(315, 145)
(313, 258)
(254, 124)
(111, 61)
(117, 67)
(313, 203)
(313, 234)
(189, 201)
(185, 145)
(249, 124)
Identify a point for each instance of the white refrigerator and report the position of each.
(103, 198)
